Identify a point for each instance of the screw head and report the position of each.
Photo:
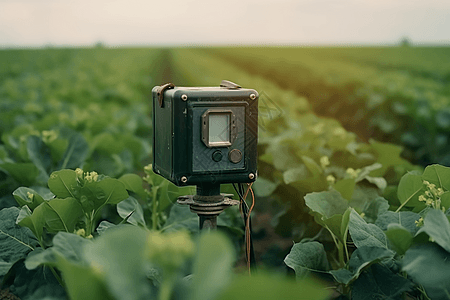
(252, 96)
(184, 97)
(184, 179)
(251, 176)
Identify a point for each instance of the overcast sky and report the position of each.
(187, 22)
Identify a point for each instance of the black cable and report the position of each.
(245, 209)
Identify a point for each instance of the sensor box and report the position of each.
(205, 134)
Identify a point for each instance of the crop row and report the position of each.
(300, 152)
(371, 91)
(61, 108)
(81, 233)
(321, 177)
(106, 238)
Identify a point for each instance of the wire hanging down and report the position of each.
(245, 213)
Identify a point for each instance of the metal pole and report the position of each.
(208, 203)
(208, 193)
(207, 222)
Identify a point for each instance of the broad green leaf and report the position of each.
(333, 224)
(345, 187)
(63, 183)
(58, 148)
(118, 258)
(75, 154)
(263, 286)
(181, 217)
(365, 172)
(24, 173)
(375, 208)
(27, 196)
(363, 195)
(264, 187)
(380, 182)
(132, 210)
(113, 189)
(36, 284)
(212, 266)
(283, 158)
(107, 143)
(154, 179)
(361, 258)
(173, 192)
(295, 174)
(4, 267)
(364, 234)
(399, 237)
(84, 282)
(65, 245)
(437, 226)
(40, 155)
(327, 203)
(429, 265)
(445, 200)
(62, 214)
(133, 183)
(44, 192)
(312, 166)
(100, 193)
(406, 219)
(379, 282)
(15, 241)
(438, 175)
(388, 155)
(306, 257)
(337, 224)
(105, 225)
(409, 189)
(34, 220)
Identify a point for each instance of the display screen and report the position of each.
(219, 128)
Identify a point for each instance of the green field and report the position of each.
(352, 164)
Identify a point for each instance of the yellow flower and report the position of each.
(339, 132)
(81, 232)
(169, 250)
(352, 172)
(79, 173)
(324, 161)
(49, 136)
(419, 222)
(331, 179)
(30, 196)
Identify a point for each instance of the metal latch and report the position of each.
(160, 92)
(229, 85)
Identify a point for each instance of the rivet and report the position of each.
(184, 97)
(251, 176)
(184, 179)
(252, 96)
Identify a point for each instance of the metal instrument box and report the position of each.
(205, 134)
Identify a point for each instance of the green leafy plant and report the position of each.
(388, 243)
(79, 198)
(133, 263)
